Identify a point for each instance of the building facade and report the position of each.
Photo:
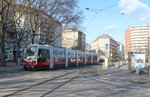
(106, 46)
(73, 38)
(137, 39)
(39, 27)
(31, 26)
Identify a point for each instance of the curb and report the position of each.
(139, 81)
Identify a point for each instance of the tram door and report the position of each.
(43, 58)
(71, 56)
(59, 56)
(81, 58)
(95, 59)
(88, 58)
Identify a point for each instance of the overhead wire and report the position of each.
(100, 10)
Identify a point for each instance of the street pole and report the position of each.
(149, 56)
(106, 63)
(129, 61)
(149, 51)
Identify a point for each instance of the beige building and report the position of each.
(105, 45)
(73, 38)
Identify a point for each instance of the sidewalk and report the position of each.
(133, 77)
(122, 73)
(11, 67)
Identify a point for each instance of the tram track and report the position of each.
(71, 79)
(22, 71)
(116, 86)
(37, 84)
(81, 72)
(101, 81)
(76, 71)
(57, 87)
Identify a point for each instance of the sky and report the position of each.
(112, 17)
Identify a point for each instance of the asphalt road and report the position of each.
(89, 81)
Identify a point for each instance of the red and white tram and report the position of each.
(42, 57)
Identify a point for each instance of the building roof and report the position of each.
(119, 43)
(65, 30)
(103, 36)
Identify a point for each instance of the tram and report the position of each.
(43, 57)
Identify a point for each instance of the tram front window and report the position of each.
(31, 51)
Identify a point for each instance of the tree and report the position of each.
(53, 15)
(18, 36)
(14, 13)
(9, 16)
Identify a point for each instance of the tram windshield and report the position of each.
(31, 51)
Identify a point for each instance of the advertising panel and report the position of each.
(139, 61)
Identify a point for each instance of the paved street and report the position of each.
(89, 81)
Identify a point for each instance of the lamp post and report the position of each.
(94, 10)
(149, 51)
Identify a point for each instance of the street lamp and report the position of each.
(87, 8)
(94, 10)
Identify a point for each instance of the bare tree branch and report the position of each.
(26, 8)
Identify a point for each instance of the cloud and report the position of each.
(135, 8)
(110, 27)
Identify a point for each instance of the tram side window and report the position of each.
(88, 58)
(94, 58)
(71, 57)
(56, 56)
(43, 55)
(62, 56)
(59, 56)
(81, 57)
